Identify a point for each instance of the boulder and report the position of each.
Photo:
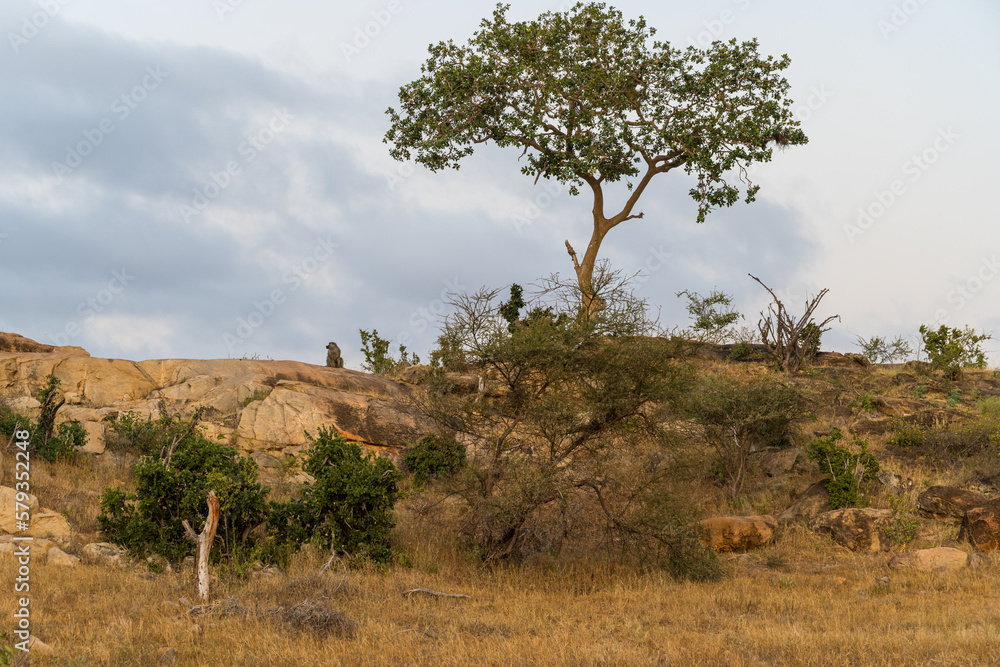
(978, 560)
(857, 528)
(838, 360)
(104, 553)
(96, 432)
(52, 524)
(737, 533)
(8, 499)
(940, 559)
(814, 501)
(981, 526)
(777, 461)
(894, 482)
(57, 556)
(948, 503)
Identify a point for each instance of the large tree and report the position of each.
(592, 100)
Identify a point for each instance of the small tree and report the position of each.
(565, 423)
(348, 508)
(951, 350)
(738, 417)
(878, 350)
(170, 491)
(845, 470)
(591, 100)
(713, 315)
(377, 357)
(791, 341)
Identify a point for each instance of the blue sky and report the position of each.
(236, 198)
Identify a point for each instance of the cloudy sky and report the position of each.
(207, 178)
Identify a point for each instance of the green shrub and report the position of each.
(906, 434)
(348, 508)
(377, 357)
(989, 406)
(434, 456)
(878, 350)
(174, 488)
(742, 350)
(904, 524)
(49, 441)
(950, 350)
(739, 416)
(846, 471)
(865, 401)
(713, 316)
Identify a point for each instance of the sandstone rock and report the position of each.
(8, 519)
(95, 437)
(37, 547)
(894, 482)
(104, 553)
(777, 461)
(371, 410)
(814, 501)
(981, 526)
(44, 522)
(52, 524)
(837, 360)
(857, 528)
(948, 502)
(414, 374)
(57, 556)
(737, 533)
(977, 560)
(36, 645)
(872, 425)
(940, 559)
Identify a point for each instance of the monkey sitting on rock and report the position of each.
(333, 359)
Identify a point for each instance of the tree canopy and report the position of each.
(591, 99)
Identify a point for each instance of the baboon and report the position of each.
(333, 359)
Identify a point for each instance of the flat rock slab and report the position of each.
(736, 534)
(949, 503)
(940, 559)
(857, 528)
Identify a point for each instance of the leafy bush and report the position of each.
(878, 350)
(377, 357)
(713, 316)
(49, 441)
(171, 489)
(950, 350)
(348, 508)
(434, 456)
(864, 401)
(811, 336)
(846, 471)
(741, 416)
(149, 437)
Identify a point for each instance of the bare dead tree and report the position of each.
(788, 339)
(204, 542)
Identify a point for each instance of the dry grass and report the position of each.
(815, 605)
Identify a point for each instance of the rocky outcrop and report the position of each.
(258, 405)
(43, 522)
(948, 503)
(857, 528)
(981, 526)
(814, 501)
(940, 559)
(736, 534)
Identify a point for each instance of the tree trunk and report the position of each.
(204, 542)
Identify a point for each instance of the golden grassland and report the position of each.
(803, 600)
